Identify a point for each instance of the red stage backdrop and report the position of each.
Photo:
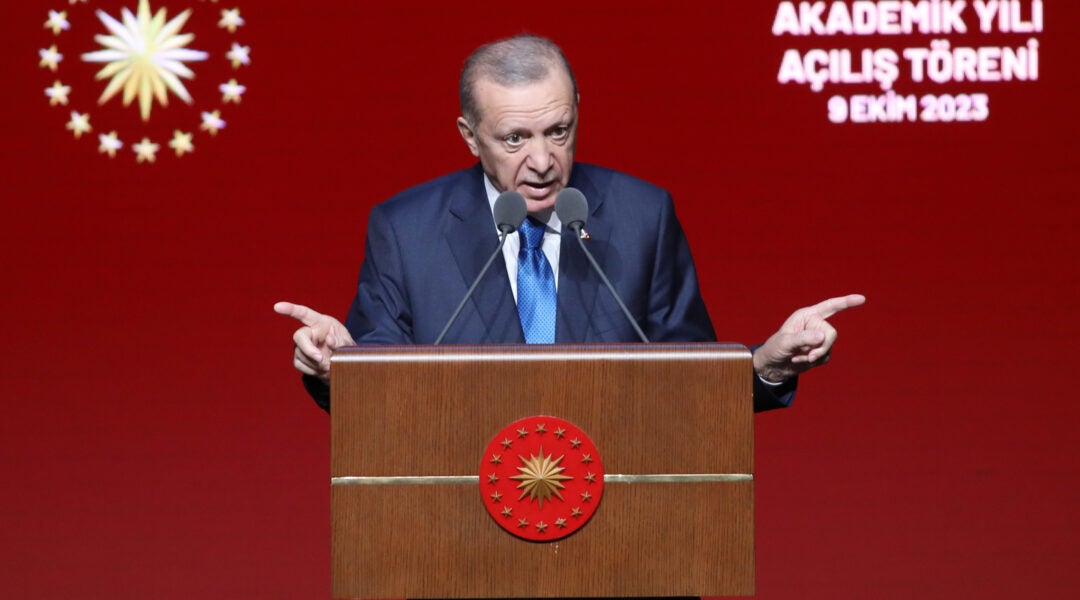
(157, 444)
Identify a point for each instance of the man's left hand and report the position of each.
(803, 342)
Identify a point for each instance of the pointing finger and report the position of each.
(830, 307)
(297, 311)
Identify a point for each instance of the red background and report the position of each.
(156, 443)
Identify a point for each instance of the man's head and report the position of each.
(519, 116)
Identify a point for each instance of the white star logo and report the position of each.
(239, 55)
(145, 54)
(79, 124)
(50, 58)
(109, 144)
(145, 57)
(231, 91)
(146, 151)
(212, 122)
(58, 93)
(181, 143)
(57, 22)
(231, 20)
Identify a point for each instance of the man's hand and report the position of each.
(316, 340)
(804, 340)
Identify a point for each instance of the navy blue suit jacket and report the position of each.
(426, 245)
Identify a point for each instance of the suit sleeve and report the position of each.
(379, 313)
(677, 311)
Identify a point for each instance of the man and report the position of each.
(426, 245)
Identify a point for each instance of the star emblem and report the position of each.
(181, 143)
(50, 58)
(231, 20)
(541, 477)
(57, 22)
(212, 122)
(109, 144)
(142, 54)
(58, 93)
(231, 91)
(239, 55)
(586, 458)
(146, 151)
(542, 492)
(79, 124)
(145, 57)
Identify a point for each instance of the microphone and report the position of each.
(573, 211)
(509, 212)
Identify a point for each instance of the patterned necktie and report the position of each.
(535, 286)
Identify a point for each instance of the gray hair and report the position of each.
(514, 61)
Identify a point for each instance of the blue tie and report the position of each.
(535, 286)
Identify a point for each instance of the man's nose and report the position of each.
(540, 158)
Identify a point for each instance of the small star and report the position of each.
(541, 428)
(58, 93)
(574, 443)
(523, 523)
(146, 151)
(50, 58)
(576, 512)
(560, 433)
(506, 443)
(231, 20)
(57, 22)
(586, 496)
(586, 458)
(560, 522)
(507, 511)
(496, 497)
(492, 478)
(541, 526)
(495, 458)
(522, 432)
(239, 55)
(212, 122)
(79, 124)
(181, 143)
(76, 1)
(109, 144)
(590, 477)
(231, 91)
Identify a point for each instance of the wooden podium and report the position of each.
(672, 423)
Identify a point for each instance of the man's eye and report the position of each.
(560, 132)
(513, 139)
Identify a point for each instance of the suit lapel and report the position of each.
(472, 238)
(578, 284)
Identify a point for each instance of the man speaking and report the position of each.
(428, 245)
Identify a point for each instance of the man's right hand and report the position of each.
(316, 340)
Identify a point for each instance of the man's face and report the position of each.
(526, 136)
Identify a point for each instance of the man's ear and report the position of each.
(469, 136)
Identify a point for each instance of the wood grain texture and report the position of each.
(649, 409)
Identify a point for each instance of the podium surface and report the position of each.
(673, 425)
